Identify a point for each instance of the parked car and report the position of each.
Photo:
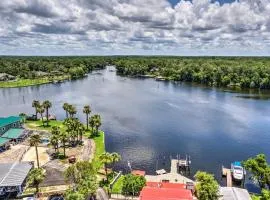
(72, 159)
(56, 197)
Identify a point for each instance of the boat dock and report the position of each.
(180, 165)
(227, 172)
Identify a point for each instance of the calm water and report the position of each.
(146, 121)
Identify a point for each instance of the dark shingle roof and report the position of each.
(14, 174)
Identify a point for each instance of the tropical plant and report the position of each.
(206, 187)
(87, 111)
(132, 185)
(54, 139)
(115, 157)
(72, 195)
(97, 120)
(23, 116)
(35, 177)
(46, 105)
(41, 110)
(72, 111)
(260, 169)
(92, 124)
(106, 159)
(35, 141)
(63, 136)
(36, 105)
(81, 130)
(66, 107)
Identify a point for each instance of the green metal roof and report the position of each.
(3, 141)
(9, 120)
(13, 133)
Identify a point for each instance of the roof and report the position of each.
(13, 133)
(4, 121)
(232, 193)
(138, 172)
(3, 141)
(237, 163)
(165, 191)
(171, 177)
(14, 174)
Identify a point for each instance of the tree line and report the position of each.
(242, 72)
(34, 67)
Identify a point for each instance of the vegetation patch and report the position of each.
(117, 187)
(100, 149)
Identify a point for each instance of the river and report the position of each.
(148, 121)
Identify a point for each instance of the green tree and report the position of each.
(265, 195)
(54, 139)
(23, 116)
(97, 120)
(41, 110)
(206, 187)
(35, 141)
(92, 124)
(36, 105)
(47, 105)
(87, 111)
(66, 107)
(115, 157)
(132, 185)
(260, 169)
(72, 195)
(106, 159)
(72, 111)
(35, 177)
(64, 139)
(88, 187)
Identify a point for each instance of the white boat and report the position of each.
(238, 172)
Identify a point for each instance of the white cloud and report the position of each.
(133, 26)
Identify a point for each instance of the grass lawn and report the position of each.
(117, 187)
(39, 126)
(30, 82)
(100, 148)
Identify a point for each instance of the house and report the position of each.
(165, 191)
(13, 178)
(7, 123)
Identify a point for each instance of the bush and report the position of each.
(132, 185)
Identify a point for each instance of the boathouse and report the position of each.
(13, 178)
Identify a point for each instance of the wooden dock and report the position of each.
(227, 172)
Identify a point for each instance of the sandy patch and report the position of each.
(30, 155)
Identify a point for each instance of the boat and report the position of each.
(238, 172)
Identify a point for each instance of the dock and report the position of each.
(227, 172)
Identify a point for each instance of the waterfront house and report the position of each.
(165, 191)
(10, 131)
(13, 178)
(7, 123)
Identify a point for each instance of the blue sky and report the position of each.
(129, 27)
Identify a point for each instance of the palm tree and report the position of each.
(35, 177)
(72, 110)
(115, 157)
(54, 139)
(97, 123)
(23, 116)
(36, 104)
(65, 107)
(41, 110)
(106, 159)
(92, 124)
(81, 130)
(64, 138)
(87, 111)
(34, 141)
(46, 105)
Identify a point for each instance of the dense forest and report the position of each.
(34, 67)
(243, 72)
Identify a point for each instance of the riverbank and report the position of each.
(31, 82)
